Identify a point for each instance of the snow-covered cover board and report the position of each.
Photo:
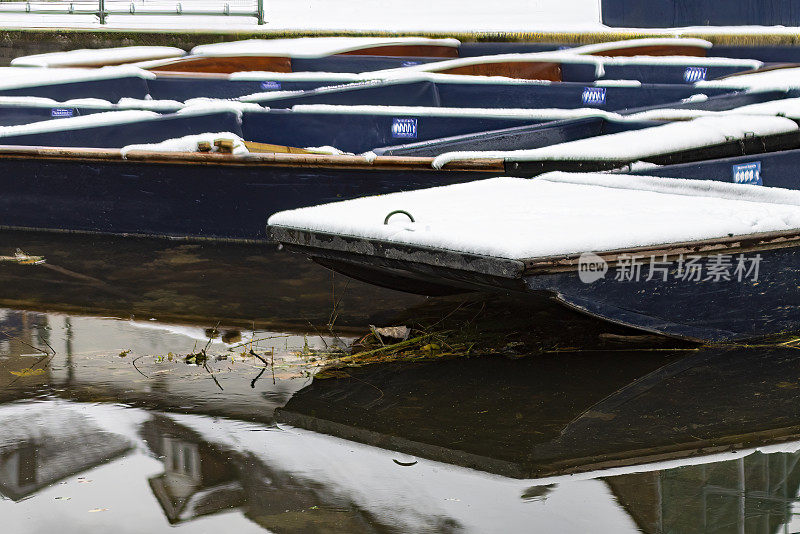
(312, 47)
(98, 56)
(767, 80)
(641, 144)
(192, 105)
(785, 107)
(20, 77)
(422, 111)
(75, 123)
(555, 214)
(601, 48)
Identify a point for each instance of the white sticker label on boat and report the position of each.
(404, 128)
(747, 173)
(62, 112)
(594, 96)
(271, 86)
(695, 74)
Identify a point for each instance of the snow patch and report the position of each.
(188, 143)
(312, 47)
(641, 144)
(421, 111)
(98, 56)
(22, 77)
(83, 121)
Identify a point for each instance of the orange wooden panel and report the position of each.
(525, 70)
(226, 64)
(660, 50)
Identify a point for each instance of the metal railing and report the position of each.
(102, 13)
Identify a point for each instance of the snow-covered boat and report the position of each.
(700, 260)
(301, 54)
(250, 182)
(447, 90)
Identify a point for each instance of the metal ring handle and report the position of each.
(395, 212)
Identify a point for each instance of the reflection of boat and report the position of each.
(180, 281)
(566, 412)
(639, 428)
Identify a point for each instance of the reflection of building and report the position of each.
(198, 480)
(753, 494)
(201, 479)
(41, 445)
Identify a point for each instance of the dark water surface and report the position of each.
(569, 426)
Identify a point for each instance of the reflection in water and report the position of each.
(703, 441)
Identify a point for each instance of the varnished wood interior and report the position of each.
(225, 64)
(525, 70)
(250, 159)
(405, 51)
(656, 50)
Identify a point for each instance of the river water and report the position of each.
(568, 426)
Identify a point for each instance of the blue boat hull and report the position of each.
(490, 95)
(777, 169)
(680, 13)
(752, 304)
(204, 200)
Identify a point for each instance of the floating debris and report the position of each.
(23, 258)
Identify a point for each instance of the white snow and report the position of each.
(600, 48)
(208, 105)
(153, 105)
(768, 80)
(188, 143)
(74, 123)
(258, 76)
(421, 111)
(785, 107)
(12, 101)
(558, 213)
(312, 47)
(618, 83)
(21, 77)
(100, 56)
(640, 144)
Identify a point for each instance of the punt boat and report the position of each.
(699, 260)
(448, 90)
(155, 191)
(563, 66)
(352, 129)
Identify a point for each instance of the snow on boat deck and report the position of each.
(99, 56)
(555, 214)
(640, 144)
(22, 77)
(312, 47)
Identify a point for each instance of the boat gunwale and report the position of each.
(248, 159)
(516, 268)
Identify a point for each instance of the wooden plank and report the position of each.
(307, 160)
